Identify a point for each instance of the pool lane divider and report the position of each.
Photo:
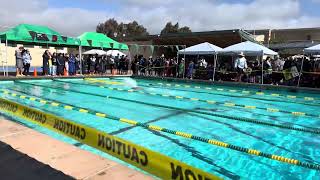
(150, 161)
(249, 151)
(5, 105)
(231, 91)
(248, 120)
(273, 110)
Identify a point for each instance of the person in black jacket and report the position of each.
(45, 63)
(60, 64)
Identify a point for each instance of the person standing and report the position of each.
(72, 65)
(190, 70)
(45, 63)
(66, 65)
(78, 64)
(19, 61)
(60, 64)
(93, 60)
(181, 68)
(26, 62)
(54, 64)
(240, 65)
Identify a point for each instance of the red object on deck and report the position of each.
(35, 74)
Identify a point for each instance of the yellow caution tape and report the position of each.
(275, 94)
(260, 93)
(179, 97)
(32, 99)
(232, 90)
(150, 161)
(194, 99)
(246, 92)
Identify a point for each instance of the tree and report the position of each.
(112, 28)
(170, 28)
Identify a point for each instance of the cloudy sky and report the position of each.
(72, 17)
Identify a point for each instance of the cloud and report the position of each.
(201, 15)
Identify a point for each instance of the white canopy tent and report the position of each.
(115, 53)
(309, 51)
(96, 51)
(202, 49)
(312, 50)
(250, 49)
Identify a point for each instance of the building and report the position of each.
(284, 41)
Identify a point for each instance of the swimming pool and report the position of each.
(276, 122)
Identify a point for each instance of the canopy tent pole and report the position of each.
(214, 66)
(80, 56)
(177, 74)
(300, 73)
(6, 60)
(184, 56)
(262, 68)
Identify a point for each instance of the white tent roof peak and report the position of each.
(313, 49)
(248, 48)
(201, 49)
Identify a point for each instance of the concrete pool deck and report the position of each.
(70, 160)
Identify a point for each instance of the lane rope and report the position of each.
(229, 95)
(249, 151)
(269, 109)
(248, 120)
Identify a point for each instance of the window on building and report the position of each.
(308, 37)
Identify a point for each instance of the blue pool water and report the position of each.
(226, 163)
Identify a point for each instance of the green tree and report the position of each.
(112, 28)
(170, 28)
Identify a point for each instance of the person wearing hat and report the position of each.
(240, 65)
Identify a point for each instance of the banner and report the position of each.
(150, 161)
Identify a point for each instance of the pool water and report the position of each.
(189, 108)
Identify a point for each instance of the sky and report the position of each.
(73, 17)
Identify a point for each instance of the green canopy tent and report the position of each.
(34, 34)
(28, 34)
(99, 40)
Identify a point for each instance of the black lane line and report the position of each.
(196, 154)
(186, 147)
(307, 158)
(247, 120)
(122, 130)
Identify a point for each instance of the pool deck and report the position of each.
(70, 160)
